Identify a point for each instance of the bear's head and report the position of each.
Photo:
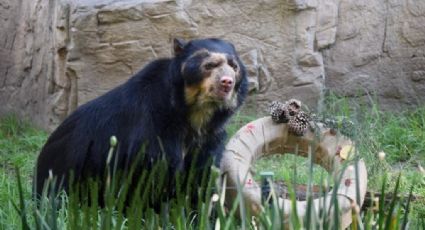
(214, 77)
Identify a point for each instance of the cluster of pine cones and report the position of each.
(290, 112)
(299, 121)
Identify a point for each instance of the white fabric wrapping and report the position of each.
(264, 137)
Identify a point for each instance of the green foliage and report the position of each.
(291, 166)
(19, 146)
(400, 136)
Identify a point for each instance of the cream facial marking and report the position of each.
(215, 89)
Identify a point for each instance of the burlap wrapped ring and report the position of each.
(264, 137)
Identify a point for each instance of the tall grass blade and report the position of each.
(390, 223)
(294, 217)
(381, 209)
(237, 202)
(22, 207)
(407, 208)
(310, 208)
(334, 204)
(42, 222)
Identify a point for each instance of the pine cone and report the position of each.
(299, 123)
(293, 107)
(279, 112)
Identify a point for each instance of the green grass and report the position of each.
(400, 136)
(290, 166)
(19, 146)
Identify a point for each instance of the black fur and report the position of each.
(148, 110)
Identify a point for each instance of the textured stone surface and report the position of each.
(56, 55)
(379, 49)
(30, 59)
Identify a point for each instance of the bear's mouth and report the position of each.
(223, 92)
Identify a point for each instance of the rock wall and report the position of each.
(56, 55)
(110, 42)
(379, 50)
(31, 61)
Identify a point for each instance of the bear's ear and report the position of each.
(178, 45)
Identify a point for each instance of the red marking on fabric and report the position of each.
(249, 128)
(347, 182)
(249, 182)
(338, 150)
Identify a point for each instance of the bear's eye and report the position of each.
(211, 65)
(233, 64)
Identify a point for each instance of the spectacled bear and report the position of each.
(174, 109)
